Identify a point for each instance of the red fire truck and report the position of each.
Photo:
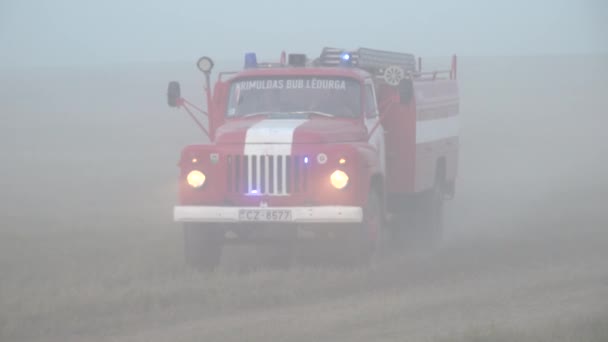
(355, 145)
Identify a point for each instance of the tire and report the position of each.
(203, 245)
(429, 217)
(402, 226)
(368, 240)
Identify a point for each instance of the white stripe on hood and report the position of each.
(271, 137)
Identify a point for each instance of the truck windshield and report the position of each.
(330, 96)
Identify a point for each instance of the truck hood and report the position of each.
(291, 131)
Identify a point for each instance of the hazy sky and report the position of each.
(77, 32)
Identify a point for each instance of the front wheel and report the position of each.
(368, 240)
(203, 245)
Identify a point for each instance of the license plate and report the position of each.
(265, 215)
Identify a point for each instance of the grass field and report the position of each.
(88, 250)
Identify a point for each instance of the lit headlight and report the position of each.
(339, 179)
(196, 179)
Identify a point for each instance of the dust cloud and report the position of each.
(88, 250)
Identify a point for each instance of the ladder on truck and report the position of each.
(373, 61)
(383, 63)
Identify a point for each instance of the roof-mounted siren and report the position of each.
(251, 60)
(296, 59)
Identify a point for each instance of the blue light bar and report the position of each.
(251, 60)
(346, 59)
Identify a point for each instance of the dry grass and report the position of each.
(73, 284)
(590, 329)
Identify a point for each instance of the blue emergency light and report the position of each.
(346, 59)
(251, 60)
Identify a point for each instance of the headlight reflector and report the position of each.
(196, 179)
(339, 179)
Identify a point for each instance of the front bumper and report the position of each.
(322, 214)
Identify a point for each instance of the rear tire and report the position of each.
(403, 225)
(203, 244)
(429, 216)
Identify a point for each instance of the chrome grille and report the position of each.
(274, 175)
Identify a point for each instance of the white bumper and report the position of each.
(325, 214)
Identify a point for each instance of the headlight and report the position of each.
(196, 179)
(339, 179)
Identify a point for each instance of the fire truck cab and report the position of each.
(356, 145)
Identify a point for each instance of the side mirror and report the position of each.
(173, 94)
(406, 91)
